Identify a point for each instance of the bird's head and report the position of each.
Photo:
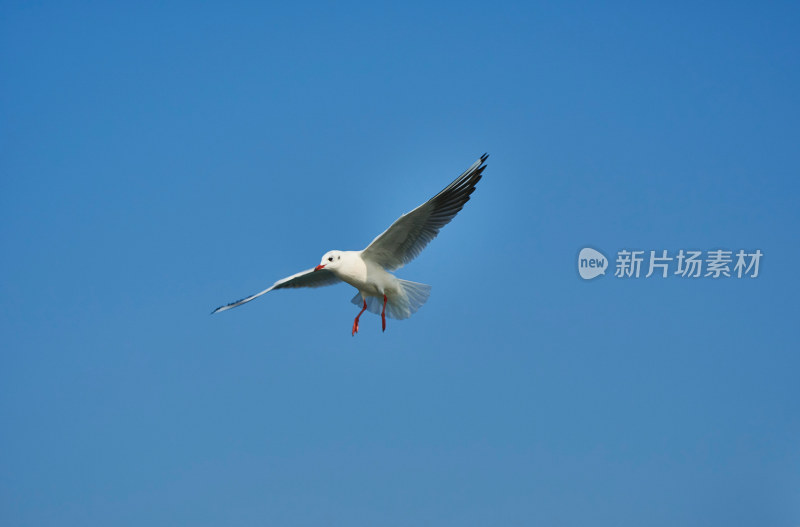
(331, 260)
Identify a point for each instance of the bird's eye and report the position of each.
(338, 257)
(330, 258)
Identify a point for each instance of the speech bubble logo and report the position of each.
(591, 263)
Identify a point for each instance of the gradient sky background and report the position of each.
(160, 161)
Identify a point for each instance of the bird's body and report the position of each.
(379, 291)
(365, 275)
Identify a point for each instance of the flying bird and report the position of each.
(379, 291)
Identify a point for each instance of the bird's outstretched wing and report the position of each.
(411, 232)
(307, 278)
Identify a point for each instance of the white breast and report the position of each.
(366, 276)
(352, 270)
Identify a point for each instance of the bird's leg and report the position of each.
(355, 322)
(383, 314)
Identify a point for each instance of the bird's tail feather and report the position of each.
(412, 296)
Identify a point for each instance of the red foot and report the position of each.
(355, 322)
(383, 314)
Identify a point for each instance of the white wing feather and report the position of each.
(307, 278)
(412, 232)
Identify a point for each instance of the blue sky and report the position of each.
(160, 161)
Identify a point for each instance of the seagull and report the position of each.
(379, 291)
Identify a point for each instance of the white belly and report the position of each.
(369, 278)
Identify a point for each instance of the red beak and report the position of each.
(320, 266)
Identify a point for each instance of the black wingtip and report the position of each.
(484, 157)
(225, 307)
